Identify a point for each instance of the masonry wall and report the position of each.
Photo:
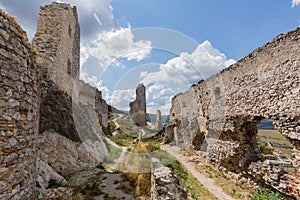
(220, 115)
(57, 40)
(18, 112)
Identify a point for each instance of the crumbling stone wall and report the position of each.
(158, 123)
(138, 106)
(164, 184)
(18, 112)
(37, 94)
(220, 115)
(57, 41)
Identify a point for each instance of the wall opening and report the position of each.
(274, 146)
(69, 68)
(69, 30)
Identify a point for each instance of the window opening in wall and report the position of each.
(70, 30)
(274, 146)
(69, 68)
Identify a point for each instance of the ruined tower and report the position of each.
(138, 106)
(158, 120)
(57, 41)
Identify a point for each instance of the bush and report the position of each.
(266, 194)
(264, 149)
(54, 184)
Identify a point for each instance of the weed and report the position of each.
(266, 194)
(54, 184)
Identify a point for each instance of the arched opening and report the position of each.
(274, 146)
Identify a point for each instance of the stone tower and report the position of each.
(57, 41)
(138, 106)
(158, 120)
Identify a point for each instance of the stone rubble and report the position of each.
(164, 184)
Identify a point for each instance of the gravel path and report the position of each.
(207, 182)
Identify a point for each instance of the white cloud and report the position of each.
(26, 13)
(121, 98)
(295, 3)
(119, 43)
(190, 68)
(159, 98)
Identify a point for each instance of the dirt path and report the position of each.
(207, 182)
(114, 165)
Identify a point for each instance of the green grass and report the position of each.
(224, 181)
(195, 189)
(123, 139)
(114, 153)
(274, 137)
(266, 194)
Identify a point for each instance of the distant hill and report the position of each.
(112, 109)
(150, 117)
(266, 124)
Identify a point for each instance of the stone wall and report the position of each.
(57, 41)
(39, 91)
(18, 112)
(138, 106)
(164, 184)
(220, 115)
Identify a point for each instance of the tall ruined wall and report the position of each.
(18, 112)
(220, 115)
(138, 106)
(57, 41)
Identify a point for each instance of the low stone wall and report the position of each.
(164, 184)
(18, 112)
(272, 174)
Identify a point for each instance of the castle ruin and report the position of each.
(41, 97)
(138, 106)
(219, 116)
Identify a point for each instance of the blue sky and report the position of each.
(166, 44)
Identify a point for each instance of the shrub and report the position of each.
(54, 184)
(266, 194)
(264, 149)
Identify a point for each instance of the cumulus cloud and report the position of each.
(26, 13)
(121, 98)
(295, 3)
(190, 68)
(119, 43)
(159, 98)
